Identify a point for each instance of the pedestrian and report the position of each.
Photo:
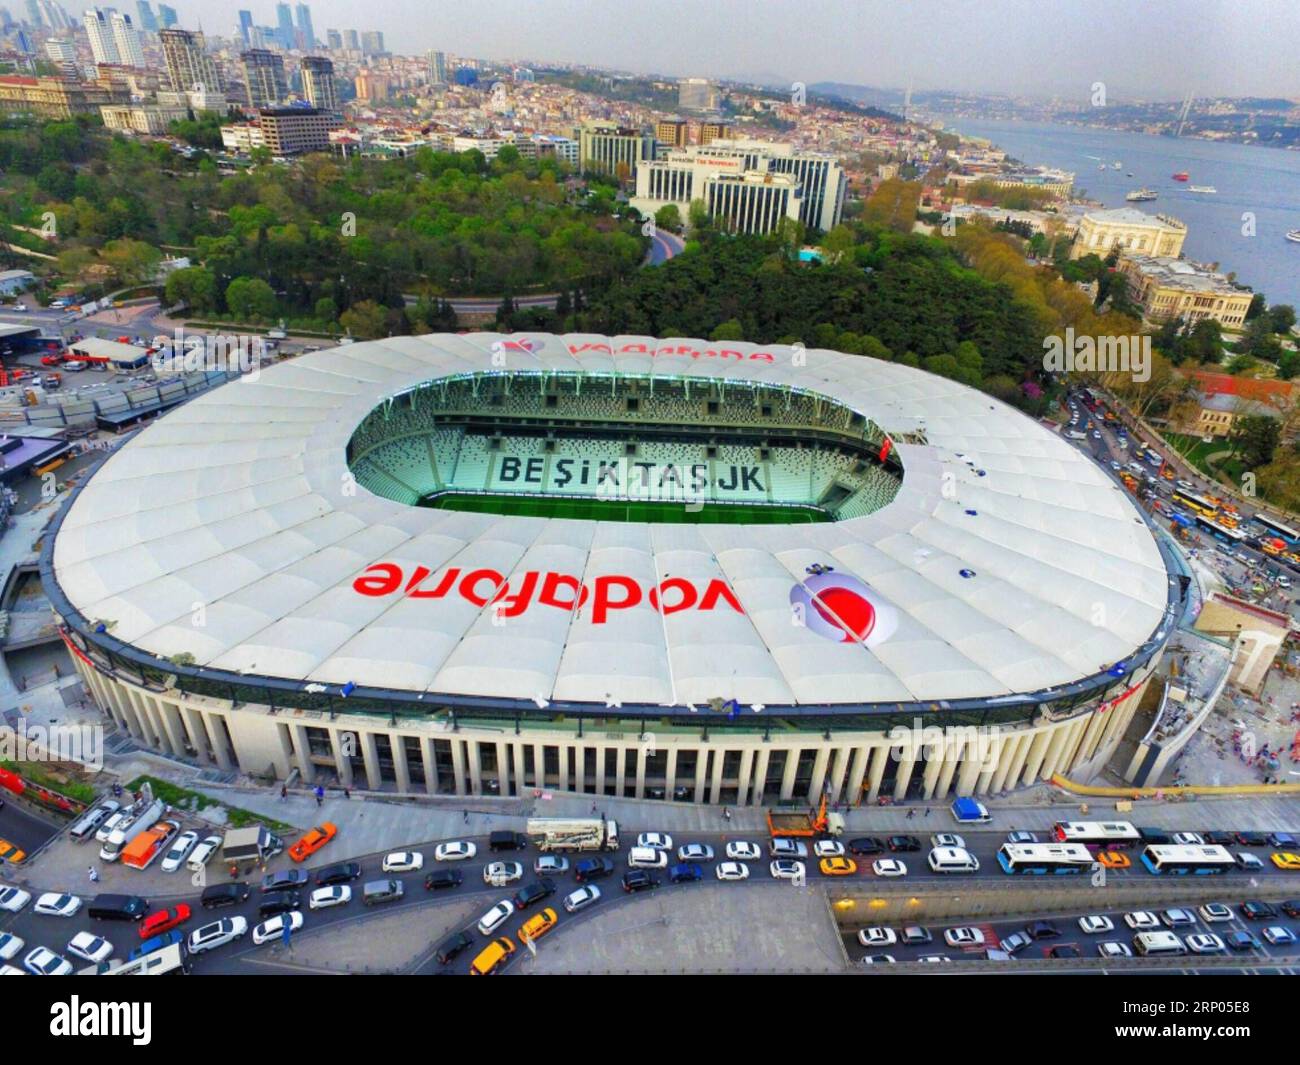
(347, 793)
(593, 809)
(319, 801)
(93, 873)
(466, 813)
(927, 811)
(911, 814)
(284, 792)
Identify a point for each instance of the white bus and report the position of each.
(1182, 860)
(1149, 943)
(170, 961)
(1041, 859)
(1107, 833)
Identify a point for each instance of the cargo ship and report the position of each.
(1142, 194)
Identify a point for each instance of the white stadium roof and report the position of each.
(225, 531)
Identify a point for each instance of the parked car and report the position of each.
(865, 845)
(587, 895)
(695, 852)
(658, 840)
(323, 898)
(639, 880)
(899, 844)
(731, 871)
(551, 865)
(592, 869)
(452, 947)
(455, 851)
(685, 873)
(403, 862)
(443, 878)
(44, 962)
(289, 878)
(313, 841)
(217, 934)
(57, 904)
(342, 873)
(742, 851)
(180, 850)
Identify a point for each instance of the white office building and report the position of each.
(127, 39)
(100, 31)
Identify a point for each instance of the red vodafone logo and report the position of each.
(843, 608)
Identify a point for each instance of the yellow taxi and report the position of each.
(1286, 860)
(491, 957)
(1113, 860)
(838, 866)
(538, 925)
(10, 852)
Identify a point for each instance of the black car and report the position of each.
(1065, 950)
(903, 843)
(454, 945)
(866, 845)
(1155, 835)
(507, 841)
(534, 891)
(639, 880)
(1042, 930)
(592, 869)
(290, 878)
(444, 878)
(1219, 839)
(339, 874)
(1284, 840)
(1254, 910)
(279, 902)
(1241, 940)
(1252, 839)
(1291, 907)
(224, 895)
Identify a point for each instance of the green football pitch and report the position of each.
(618, 510)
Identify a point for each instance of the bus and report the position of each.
(172, 960)
(1180, 861)
(1222, 532)
(1277, 528)
(1040, 859)
(1102, 833)
(1196, 504)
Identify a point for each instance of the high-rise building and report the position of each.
(609, 149)
(438, 68)
(290, 130)
(246, 28)
(712, 131)
(264, 82)
(351, 40)
(61, 51)
(284, 26)
(372, 42)
(334, 40)
(148, 21)
(100, 32)
(127, 40)
(698, 94)
(166, 17)
(318, 83)
(671, 131)
(187, 60)
(49, 15)
(306, 35)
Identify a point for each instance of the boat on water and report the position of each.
(1101, 166)
(1142, 194)
(1129, 174)
(1117, 166)
(1293, 235)
(1182, 175)
(1208, 189)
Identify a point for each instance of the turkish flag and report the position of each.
(885, 449)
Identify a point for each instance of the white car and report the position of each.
(933, 959)
(273, 928)
(44, 962)
(660, 841)
(1178, 918)
(695, 852)
(1142, 920)
(13, 899)
(587, 895)
(1249, 861)
(1189, 839)
(947, 839)
(1204, 943)
(1278, 934)
(53, 904)
(1214, 912)
(10, 945)
(963, 937)
(496, 917)
(403, 862)
(828, 848)
(888, 867)
(732, 871)
(1111, 949)
(741, 851)
(217, 934)
(110, 826)
(551, 865)
(455, 851)
(878, 959)
(185, 843)
(1096, 924)
(499, 874)
(89, 947)
(202, 854)
(877, 937)
(325, 897)
(786, 869)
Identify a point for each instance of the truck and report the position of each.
(255, 844)
(147, 816)
(572, 833)
(812, 823)
(968, 811)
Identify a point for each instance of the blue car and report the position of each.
(149, 946)
(685, 873)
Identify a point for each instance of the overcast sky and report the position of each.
(1138, 48)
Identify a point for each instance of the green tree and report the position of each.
(250, 299)
(669, 217)
(366, 320)
(1254, 438)
(728, 330)
(326, 309)
(194, 286)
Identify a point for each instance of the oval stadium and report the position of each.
(663, 568)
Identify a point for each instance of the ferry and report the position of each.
(1182, 175)
(1117, 166)
(1142, 194)
(1208, 189)
(1293, 235)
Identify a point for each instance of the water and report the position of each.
(1265, 181)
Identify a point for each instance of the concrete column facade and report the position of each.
(517, 754)
(193, 722)
(579, 768)
(217, 737)
(715, 785)
(791, 769)
(906, 765)
(818, 781)
(670, 773)
(746, 772)
(302, 752)
(401, 770)
(1037, 752)
(563, 751)
(475, 764)
(839, 768)
(760, 775)
(370, 756)
(430, 760)
(458, 763)
(642, 756)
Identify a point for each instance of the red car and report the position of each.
(313, 841)
(51, 360)
(164, 921)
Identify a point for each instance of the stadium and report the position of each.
(622, 566)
